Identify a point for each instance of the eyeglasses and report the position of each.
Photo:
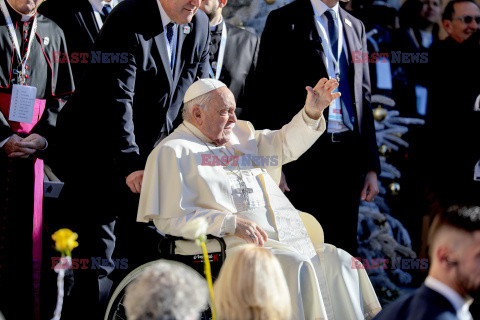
(468, 19)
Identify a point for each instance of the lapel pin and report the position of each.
(46, 41)
(186, 29)
(348, 22)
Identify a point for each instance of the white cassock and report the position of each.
(185, 178)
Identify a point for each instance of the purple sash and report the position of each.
(20, 127)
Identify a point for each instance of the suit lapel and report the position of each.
(87, 20)
(162, 48)
(306, 24)
(183, 31)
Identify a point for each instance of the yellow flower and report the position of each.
(65, 240)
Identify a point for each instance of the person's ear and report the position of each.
(197, 114)
(446, 256)
(447, 25)
(222, 3)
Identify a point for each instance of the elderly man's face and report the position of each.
(25, 6)
(181, 11)
(458, 28)
(468, 266)
(218, 120)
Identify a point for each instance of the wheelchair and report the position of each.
(167, 249)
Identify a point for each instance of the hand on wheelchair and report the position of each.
(250, 232)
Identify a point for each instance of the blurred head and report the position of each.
(25, 6)
(251, 286)
(180, 11)
(213, 9)
(431, 11)
(461, 18)
(454, 240)
(213, 112)
(166, 290)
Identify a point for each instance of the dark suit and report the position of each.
(77, 20)
(423, 304)
(108, 129)
(239, 63)
(326, 181)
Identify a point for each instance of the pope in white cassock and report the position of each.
(216, 167)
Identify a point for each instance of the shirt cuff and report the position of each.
(311, 123)
(229, 225)
(4, 141)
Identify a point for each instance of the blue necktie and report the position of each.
(170, 26)
(106, 10)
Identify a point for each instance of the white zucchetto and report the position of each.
(201, 87)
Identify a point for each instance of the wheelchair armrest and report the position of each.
(169, 242)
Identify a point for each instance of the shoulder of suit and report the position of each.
(47, 26)
(347, 15)
(236, 30)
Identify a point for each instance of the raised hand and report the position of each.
(320, 97)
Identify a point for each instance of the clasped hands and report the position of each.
(16, 147)
(320, 97)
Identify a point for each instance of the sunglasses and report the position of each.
(468, 19)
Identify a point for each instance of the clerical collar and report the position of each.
(165, 18)
(18, 16)
(319, 7)
(98, 4)
(216, 26)
(457, 301)
(196, 132)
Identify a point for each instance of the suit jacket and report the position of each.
(130, 94)
(77, 20)
(291, 57)
(423, 304)
(239, 64)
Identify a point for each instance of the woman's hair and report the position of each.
(166, 290)
(251, 286)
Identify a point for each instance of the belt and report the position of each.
(335, 137)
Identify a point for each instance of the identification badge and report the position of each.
(384, 74)
(22, 103)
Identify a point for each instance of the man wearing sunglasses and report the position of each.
(461, 19)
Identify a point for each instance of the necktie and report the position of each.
(106, 11)
(170, 26)
(170, 33)
(332, 31)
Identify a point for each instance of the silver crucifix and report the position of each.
(244, 191)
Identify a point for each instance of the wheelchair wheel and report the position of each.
(116, 309)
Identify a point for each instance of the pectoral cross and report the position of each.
(244, 191)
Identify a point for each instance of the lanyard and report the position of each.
(13, 35)
(221, 52)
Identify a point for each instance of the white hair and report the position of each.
(166, 290)
(252, 286)
(201, 101)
